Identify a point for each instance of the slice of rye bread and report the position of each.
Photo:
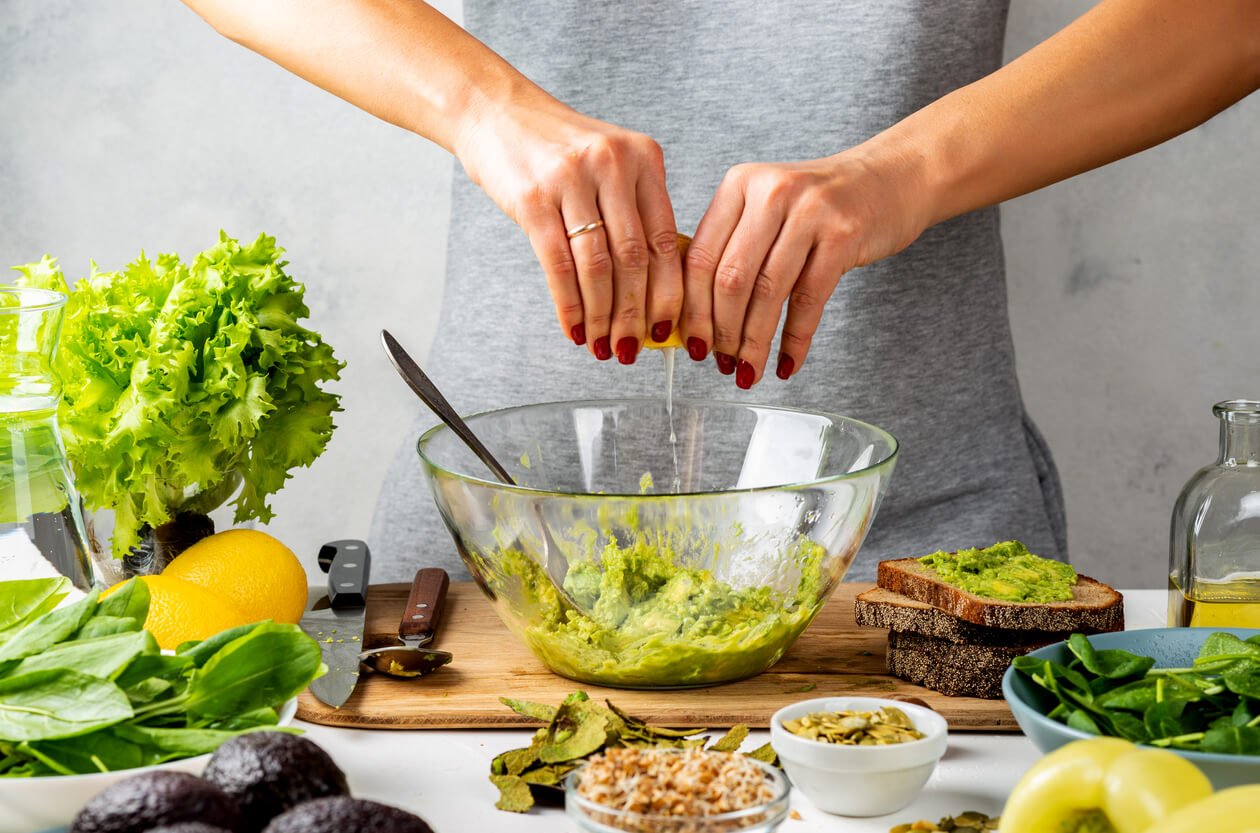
(880, 608)
(953, 669)
(1093, 606)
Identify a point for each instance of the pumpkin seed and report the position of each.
(886, 726)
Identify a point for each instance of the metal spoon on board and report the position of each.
(555, 565)
(419, 624)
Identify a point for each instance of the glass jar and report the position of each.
(41, 517)
(1214, 560)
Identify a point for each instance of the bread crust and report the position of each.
(1095, 607)
(953, 669)
(880, 608)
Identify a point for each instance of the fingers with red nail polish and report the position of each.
(603, 349)
(745, 375)
(661, 330)
(627, 350)
(578, 334)
(696, 349)
(786, 365)
(725, 363)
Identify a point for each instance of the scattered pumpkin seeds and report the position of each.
(968, 822)
(853, 728)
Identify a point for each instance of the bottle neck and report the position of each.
(1240, 442)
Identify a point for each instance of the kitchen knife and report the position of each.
(336, 622)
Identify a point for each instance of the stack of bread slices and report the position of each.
(958, 643)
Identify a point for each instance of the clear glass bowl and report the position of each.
(692, 561)
(592, 817)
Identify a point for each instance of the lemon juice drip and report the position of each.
(1233, 602)
(668, 355)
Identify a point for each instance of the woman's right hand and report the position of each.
(554, 170)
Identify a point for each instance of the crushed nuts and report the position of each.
(689, 784)
(852, 728)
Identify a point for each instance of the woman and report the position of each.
(910, 126)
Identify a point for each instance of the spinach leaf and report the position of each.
(27, 599)
(1164, 719)
(1137, 696)
(1245, 712)
(130, 601)
(1111, 663)
(267, 666)
(1235, 740)
(49, 629)
(249, 720)
(58, 703)
(161, 666)
(1226, 646)
(1081, 721)
(104, 657)
(99, 626)
(201, 652)
(1243, 678)
(92, 752)
(173, 743)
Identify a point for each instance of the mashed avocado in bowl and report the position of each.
(647, 622)
(708, 582)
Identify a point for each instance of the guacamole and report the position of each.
(649, 622)
(1006, 571)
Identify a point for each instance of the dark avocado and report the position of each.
(153, 799)
(188, 827)
(269, 772)
(341, 814)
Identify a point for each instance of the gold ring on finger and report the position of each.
(584, 228)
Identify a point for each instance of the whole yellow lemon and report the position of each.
(251, 570)
(181, 612)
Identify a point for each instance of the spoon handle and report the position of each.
(431, 396)
(424, 606)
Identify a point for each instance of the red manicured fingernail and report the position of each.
(696, 349)
(603, 349)
(661, 330)
(744, 375)
(627, 350)
(578, 334)
(786, 366)
(725, 363)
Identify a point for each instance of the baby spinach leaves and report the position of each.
(83, 688)
(1212, 706)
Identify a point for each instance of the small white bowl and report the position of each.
(859, 780)
(28, 804)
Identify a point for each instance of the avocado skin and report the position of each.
(342, 813)
(153, 799)
(188, 827)
(269, 772)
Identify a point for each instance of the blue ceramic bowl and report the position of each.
(1171, 648)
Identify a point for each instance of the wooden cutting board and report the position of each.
(833, 657)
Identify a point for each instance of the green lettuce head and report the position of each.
(187, 378)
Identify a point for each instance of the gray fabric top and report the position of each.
(918, 343)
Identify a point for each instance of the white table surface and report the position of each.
(442, 775)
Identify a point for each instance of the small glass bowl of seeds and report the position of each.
(858, 756)
(667, 790)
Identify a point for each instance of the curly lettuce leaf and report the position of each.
(179, 377)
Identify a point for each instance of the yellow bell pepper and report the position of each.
(1235, 810)
(1088, 782)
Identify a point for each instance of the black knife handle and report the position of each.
(424, 605)
(348, 565)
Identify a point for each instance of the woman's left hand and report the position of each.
(787, 232)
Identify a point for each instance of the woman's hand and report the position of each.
(554, 172)
(787, 232)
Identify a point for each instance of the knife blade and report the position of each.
(336, 622)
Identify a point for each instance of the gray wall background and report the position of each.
(131, 124)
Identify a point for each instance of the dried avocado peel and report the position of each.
(577, 729)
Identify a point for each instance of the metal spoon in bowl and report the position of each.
(419, 625)
(554, 563)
